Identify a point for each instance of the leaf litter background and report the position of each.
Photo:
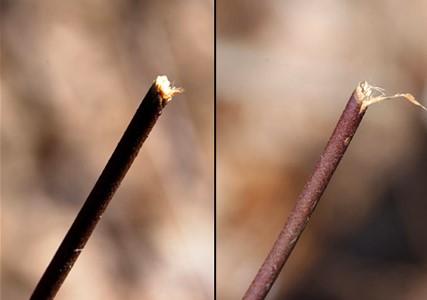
(73, 74)
(285, 70)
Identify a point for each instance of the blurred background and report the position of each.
(73, 74)
(285, 70)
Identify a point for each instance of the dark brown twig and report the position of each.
(119, 163)
(344, 131)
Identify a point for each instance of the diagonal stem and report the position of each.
(344, 131)
(119, 163)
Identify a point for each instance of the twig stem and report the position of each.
(311, 193)
(108, 182)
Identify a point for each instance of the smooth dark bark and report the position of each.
(308, 199)
(101, 194)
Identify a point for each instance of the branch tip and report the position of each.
(368, 94)
(165, 89)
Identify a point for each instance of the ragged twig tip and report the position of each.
(369, 94)
(165, 89)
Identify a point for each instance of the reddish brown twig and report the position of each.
(344, 131)
(127, 149)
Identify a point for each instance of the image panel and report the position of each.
(285, 71)
(73, 75)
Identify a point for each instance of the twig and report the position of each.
(344, 131)
(127, 149)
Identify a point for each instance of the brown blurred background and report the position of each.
(285, 70)
(73, 74)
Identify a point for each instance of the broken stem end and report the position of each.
(165, 89)
(368, 94)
